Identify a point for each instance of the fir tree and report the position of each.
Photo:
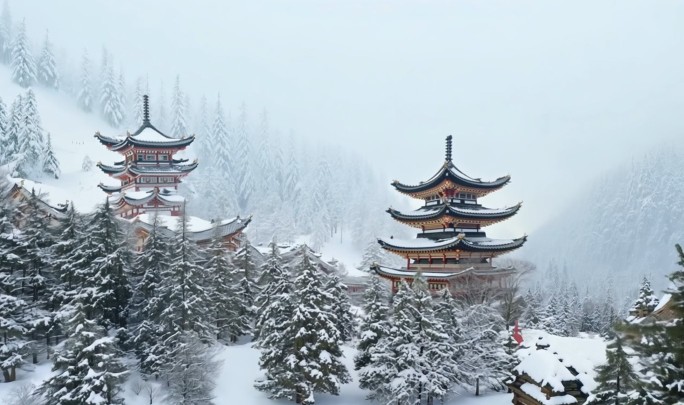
(112, 291)
(4, 127)
(47, 68)
(50, 163)
(87, 368)
(375, 324)
(309, 343)
(22, 63)
(340, 307)
(242, 170)
(146, 303)
(230, 310)
(647, 300)
(31, 140)
(111, 101)
(68, 258)
(248, 288)
(15, 122)
(5, 33)
(271, 283)
(179, 127)
(616, 378)
(85, 92)
(191, 374)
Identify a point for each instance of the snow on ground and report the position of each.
(29, 375)
(72, 133)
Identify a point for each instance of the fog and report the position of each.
(553, 93)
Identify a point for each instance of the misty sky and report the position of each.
(553, 93)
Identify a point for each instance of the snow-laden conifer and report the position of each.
(30, 137)
(647, 300)
(242, 169)
(248, 288)
(22, 63)
(191, 375)
(340, 307)
(47, 72)
(50, 162)
(5, 33)
(15, 121)
(87, 368)
(375, 324)
(85, 87)
(230, 311)
(109, 268)
(179, 126)
(272, 280)
(616, 378)
(111, 101)
(301, 356)
(146, 303)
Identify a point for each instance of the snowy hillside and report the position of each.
(72, 138)
(625, 225)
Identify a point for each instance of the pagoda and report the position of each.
(149, 174)
(451, 249)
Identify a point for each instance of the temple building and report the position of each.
(149, 176)
(149, 173)
(451, 249)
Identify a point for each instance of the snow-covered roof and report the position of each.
(449, 172)
(663, 301)
(447, 273)
(21, 186)
(535, 392)
(200, 229)
(544, 367)
(461, 242)
(475, 211)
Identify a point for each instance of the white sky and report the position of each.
(552, 92)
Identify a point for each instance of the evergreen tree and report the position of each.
(179, 127)
(47, 72)
(22, 64)
(67, 257)
(242, 170)
(111, 101)
(372, 254)
(5, 33)
(109, 269)
(229, 309)
(136, 106)
(375, 324)
(308, 341)
(271, 284)
(87, 368)
(616, 378)
(31, 140)
(4, 127)
(85, 91)
(146, 303)
(50, 163)
(15, 122)
(531, 316)
(340, 307)
(647, 300)
(248, 288)
(191, 375)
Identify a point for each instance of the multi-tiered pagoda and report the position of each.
(149, 173)
(451, 250)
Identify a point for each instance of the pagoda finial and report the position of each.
(448, 148)
(146, 109)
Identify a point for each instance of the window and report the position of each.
(150, 157)
(141, 158)
(164, 157)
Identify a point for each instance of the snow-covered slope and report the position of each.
(72, 138)
(625, 225)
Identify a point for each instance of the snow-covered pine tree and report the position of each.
(111, 102)
(135, 112)
(5, 33)
(271, 282)
(22, 63)
(372, 254)
(340, 307)
(393, 376)
(88, 369)
(647, 300)
(110, 267)
(375, 324)
(242, 169)
(15, 122)
(616, 378)
(485, 361)
(309, 342)
(85, 89)
(146, 303)
(161, 118)
(47, 72)
(531, 314)
(229, 308)
(179, 127)
(50, 163)
(221, 152)
(31, 140)
(191, 375)
(248, 290)
(450, 313)
(4, 124)
(67, 258)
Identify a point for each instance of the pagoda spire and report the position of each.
(448, 148)
(146, 109)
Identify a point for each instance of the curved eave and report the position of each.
(172, 143)
(139, 201)
(107, 141)
(449, 172)
(109, 189)
(454, 212)
(455, 243)
(175, 203)
(393, 273)
(112, 170)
